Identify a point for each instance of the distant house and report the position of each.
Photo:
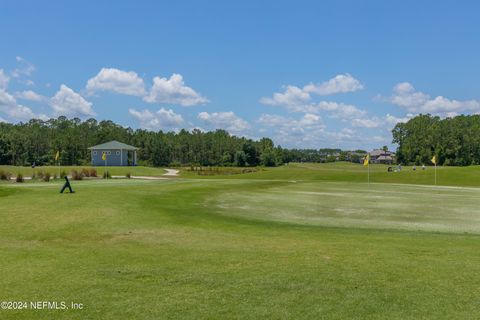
(116, 153)
(382, 156)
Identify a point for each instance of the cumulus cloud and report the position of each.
(406, 96)
(224, 120)
(367, 122)
(338, 110)
(392, 120)
(67, 102)
(292, 97)
(305, 131)
(119, 81)
(12, 109)
(161, 119)
(174, 91)
(298, 99)
(30, 95)
(4, 79)
(339, 84)
(26, 68)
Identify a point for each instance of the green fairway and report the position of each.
(300, 241)
(350, 172)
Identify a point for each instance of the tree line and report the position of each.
(38, 141)
(454, 141)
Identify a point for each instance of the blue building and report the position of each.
(116, 154)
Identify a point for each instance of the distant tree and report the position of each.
(240, 159)
(269, 158)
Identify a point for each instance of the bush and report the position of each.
(93, 172)
(175, 164)
(5, 175)
(76, 175)
(128, 175)
(19, 178)
(40, 175)
(63, 174)
(85, 172)
(106, 175)
(46, 177)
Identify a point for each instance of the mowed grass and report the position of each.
(242, 248)
(350, 172)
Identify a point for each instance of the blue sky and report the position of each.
(305, 73)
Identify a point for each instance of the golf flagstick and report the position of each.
(366, 162)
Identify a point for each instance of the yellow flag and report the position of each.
(104, 156)
(57, 155)
(366, 160)
(434, 160)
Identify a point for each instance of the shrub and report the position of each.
(40, 175)
(93, 172)
(19, 177)
(62, 174)
(175, 164)
(5, 175)
(128, 175)
(46, 177)
(76, 175)
(106, 175)
(85, 172)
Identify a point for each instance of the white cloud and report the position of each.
(309, 131)
(224, 120)
(292, 97)
(67, 102)
(339, 84)
(26, 68)
(119, 81)
(9, 106)
(367, 123)
(306, 131)
(4, 79)
(392, 120)
(338, 110)
(405, 95)
(3, 120)
(30, 95)
(161, 119)
(173, 91)
(300, 100)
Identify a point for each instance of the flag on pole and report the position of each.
(104, 156)
(366, 160)
(434, 160)
(57, 155)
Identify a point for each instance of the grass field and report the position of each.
(349, 172)
(298, 242)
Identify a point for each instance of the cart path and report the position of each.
(171, 173)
